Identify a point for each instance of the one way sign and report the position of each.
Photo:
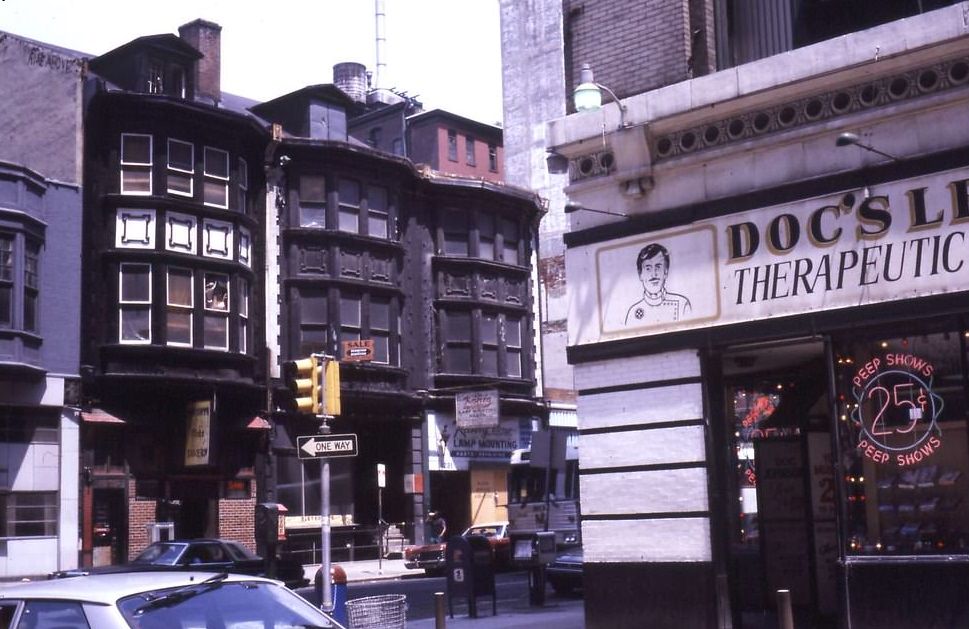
(320, 446)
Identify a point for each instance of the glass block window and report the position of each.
(134, 303)
(216, 170)
(28, 514)
(217, 239)
(216, 317)
(178, 324)
(136, 162)
(181, 168)
(349, 210)
(378, 212)
(181, 233)
(135, 229)
(312, 201)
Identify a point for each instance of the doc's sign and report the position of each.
(892, 241)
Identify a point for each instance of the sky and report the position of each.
(446, 53)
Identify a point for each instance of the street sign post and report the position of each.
(326, 446)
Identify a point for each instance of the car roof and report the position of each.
(108, 588)
(481, 525)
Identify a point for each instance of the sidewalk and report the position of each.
(561, 615)
(367, 570)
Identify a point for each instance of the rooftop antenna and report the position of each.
(380, 16)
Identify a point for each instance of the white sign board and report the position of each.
(198, 433)
(451, 447)
(476, 409)
(897, 240)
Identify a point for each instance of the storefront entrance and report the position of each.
(781, 528)
(880, 543)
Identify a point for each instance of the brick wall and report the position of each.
(140, 514)
(237, 519)
(633, 47)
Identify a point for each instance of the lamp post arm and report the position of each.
(622, 108)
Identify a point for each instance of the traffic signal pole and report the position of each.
(326, 604)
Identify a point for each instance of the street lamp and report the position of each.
(587, 95)
(573, 207)
(848, 139)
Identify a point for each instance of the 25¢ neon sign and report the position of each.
(896, 410)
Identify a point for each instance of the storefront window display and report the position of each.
(902, 424)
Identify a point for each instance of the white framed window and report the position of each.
(349, 209)
(217, 239)
(181, 233)
(245, 246)
(243, 200)
(216, 170)
(243, 299)
(216, 322)
(134, 303)
(378, 212)
(134, 229)
(136, 161)
(180, 302)
(181, 168)
(31, 285)
(513, 347)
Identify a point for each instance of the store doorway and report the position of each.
(781, 531)
(195, 508)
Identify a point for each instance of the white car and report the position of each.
(156, 600)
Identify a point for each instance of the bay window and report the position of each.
(216, 171)
(180, 306)
(378, 212)
(312, 201)
(216, 321)
(349, 210)
(134, 303)
(243, 299)
(31, 285)
(6, 279)
(181, 168)
(136, 163)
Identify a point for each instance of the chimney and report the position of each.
(206, 37)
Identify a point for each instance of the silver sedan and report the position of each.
(157, 600)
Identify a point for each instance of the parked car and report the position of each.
(210, 555)
(565, 573)
(155, 600)
(430, 557)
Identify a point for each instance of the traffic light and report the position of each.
(305, 381)
(331, 388)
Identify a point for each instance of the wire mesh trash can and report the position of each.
(385, 611)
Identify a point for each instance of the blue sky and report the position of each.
(445, 52)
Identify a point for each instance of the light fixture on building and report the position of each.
(573, 207)
(556, 162)
(587, 95)
(848, 139)
(637, 188)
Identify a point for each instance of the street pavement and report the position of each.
(558, 613)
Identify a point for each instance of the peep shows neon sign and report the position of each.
(896, 410)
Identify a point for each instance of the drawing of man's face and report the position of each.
(653, 265)
(653, 275)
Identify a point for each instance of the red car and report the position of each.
(430, 557)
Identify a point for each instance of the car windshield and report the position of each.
(487, 531)
(244, 605)
(165, 553)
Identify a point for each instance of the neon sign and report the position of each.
(896, 410)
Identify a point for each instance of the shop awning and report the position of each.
(258, 423)
(100, 416)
